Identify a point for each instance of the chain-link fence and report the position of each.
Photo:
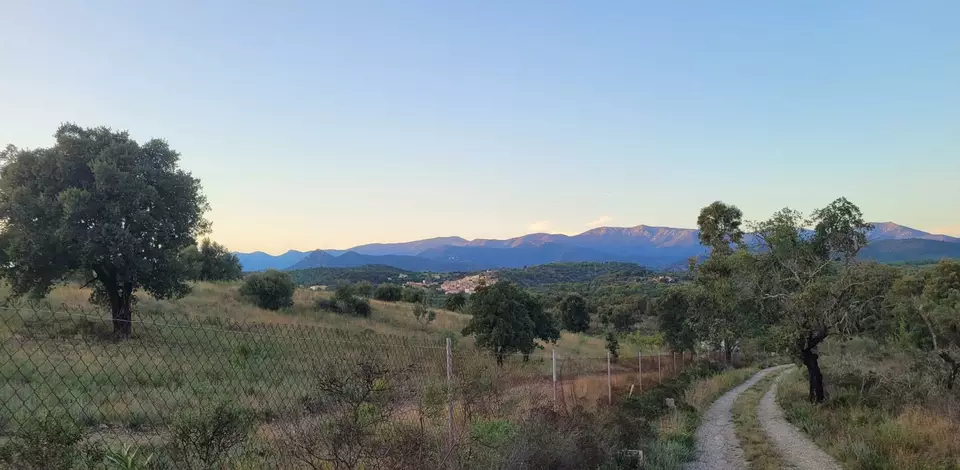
(207, 392)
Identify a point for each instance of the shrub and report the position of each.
(49, 442)
(271, 290)
(455, 302)
(413, 295)
(363, 289)
(388, 293)
(205, 438)
(423, 315)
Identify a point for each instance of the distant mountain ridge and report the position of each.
(653, 246)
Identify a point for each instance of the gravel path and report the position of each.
(717, 445)
(792, 444)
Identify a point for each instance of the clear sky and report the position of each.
(329, 124)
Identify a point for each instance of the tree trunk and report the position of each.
(814, 376)
(499, 360)
(121, 309)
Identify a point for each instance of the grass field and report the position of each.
(290, 371)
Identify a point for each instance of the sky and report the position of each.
(331, 124)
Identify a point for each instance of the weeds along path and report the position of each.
(717, 445)
(795, 448)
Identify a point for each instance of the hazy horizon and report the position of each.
(331, 125)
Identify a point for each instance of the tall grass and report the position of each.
(883, 410)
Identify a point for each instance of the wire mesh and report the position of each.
(211, 392)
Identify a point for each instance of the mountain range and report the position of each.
(657, 247)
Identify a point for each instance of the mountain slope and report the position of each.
(647, 245)
(914, 249)
(525, 254)
(892, 231)
(407, 248)
(350, 259)
(260, 261)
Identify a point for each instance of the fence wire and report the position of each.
(209, 392)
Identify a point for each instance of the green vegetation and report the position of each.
(757, 450)
(573, 314)
(210, 261)
(388, 293)
(103, 205)
(506, 319)
(271, 289)
(374, 274)
(669, 431)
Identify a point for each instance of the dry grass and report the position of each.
(870, 437)
(758, 451)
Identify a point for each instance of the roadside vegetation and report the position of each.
(758, 451)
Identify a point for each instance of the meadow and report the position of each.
(252, 386)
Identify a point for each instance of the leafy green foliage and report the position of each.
(455, 302)
(363, 289)
(507, 319)
(413, 295)
(127, 458)
(271, 289)
(388, 293)
(205, 438)
(675, 320)
(574, 315)
(99, 203)
(48, 442)
(719, 225)
(210, 261)
(375, 274)
(423, 315)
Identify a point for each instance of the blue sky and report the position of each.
(330, 124)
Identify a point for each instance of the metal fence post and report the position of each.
(450, 397)
(553, 353)
(659, 369)
(640, 370)
(609, 382)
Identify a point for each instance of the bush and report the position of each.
(423, 315)
(413, 295)
(49, 443)
(344, 302)
(271, 290)
(363, 289)
(205, 438)
(388, 293)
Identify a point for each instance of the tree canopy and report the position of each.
(507, 319)
(210, 261)
(574, 314)
(102, 205)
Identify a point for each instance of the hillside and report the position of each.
(894, 251)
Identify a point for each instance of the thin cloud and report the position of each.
(539, 226)
(603, 220)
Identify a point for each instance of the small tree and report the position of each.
(388, 293)
(455, 302)
(934, 296)
(211, 262)
(506, 319)
(573, 313)
(423, 315)
(811, 281)
(673, 310)
(271, 290)
(102, 205)
(363, 289)
(613, 345)
(413, 295)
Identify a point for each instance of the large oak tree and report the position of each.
(100, 204)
